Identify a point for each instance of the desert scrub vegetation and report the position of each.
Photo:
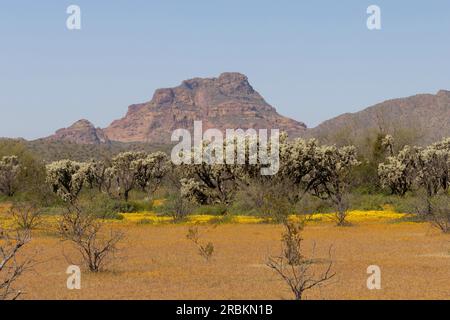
(426, 172)
(79, 224)
(178, 207)
(9, 172)
(131, 170)
(26, 215)
(418, 168)
(204, 250)
(85, 232)
(440, 208)
(312, 178)
(299, 272)
(435, 210)
(329, 181)
(12, 264)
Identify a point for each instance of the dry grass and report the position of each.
(157, 262)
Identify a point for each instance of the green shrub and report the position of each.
(139, 206)
(145, 222)
(406, 204)
(309, 205)
(244, 208)
(368, 201)
(215, 210)
(103, 207)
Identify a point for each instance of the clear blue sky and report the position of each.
(312, 60)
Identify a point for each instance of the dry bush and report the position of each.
(440, 213)
(26, 216)
(11, 268)
(292, 239)
(84, 230)
(435, 209)
(342, 210)
(277, 207)
(179, 208)
(205, 250)
(299, 272)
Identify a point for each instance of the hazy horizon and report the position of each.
(311, 61)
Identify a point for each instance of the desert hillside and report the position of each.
(424, 117)
(229, 101)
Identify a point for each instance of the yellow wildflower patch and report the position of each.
(362, 216)
(356, 216)
(159, 202)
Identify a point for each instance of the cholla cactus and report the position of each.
(124, 170)
(66, 178)
(298, 159)
(109, 182)
(151, 170)
(330, 176)
(9, 171)
(388, 144)
(399, 172)
(96, 174)
(415, 167)
(213, 182)
(433, 168)
(198, 192)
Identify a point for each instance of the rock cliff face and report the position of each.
(82, 132)
(226, 102)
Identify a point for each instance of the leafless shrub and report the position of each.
(179, 208)
(205, 251)
(292, 239)
(85, 232)
(11, 268)
(342, 210)
(277, 207)
(26, 216)
(438, 212)
(298, 271)
(441, 215)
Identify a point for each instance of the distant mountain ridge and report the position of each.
(226, 102)
(230, 102)
(425, 115)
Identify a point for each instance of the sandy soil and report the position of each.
(158, 262)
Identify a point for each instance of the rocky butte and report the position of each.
(82, 132)
(226, 102)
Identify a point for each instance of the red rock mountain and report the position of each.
(226, 102)
(82, 132)
(230, 102)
